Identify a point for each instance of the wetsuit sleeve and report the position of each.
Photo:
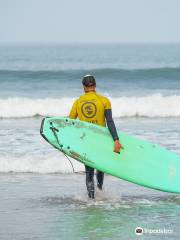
(73, 113)
(110, 124)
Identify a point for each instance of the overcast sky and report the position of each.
(67, 21)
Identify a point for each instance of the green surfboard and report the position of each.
(139, 162)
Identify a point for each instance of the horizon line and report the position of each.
(85, 43)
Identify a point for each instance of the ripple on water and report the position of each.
(109, 203)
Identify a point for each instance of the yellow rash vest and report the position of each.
(90, 107)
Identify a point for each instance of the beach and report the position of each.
(41, 197)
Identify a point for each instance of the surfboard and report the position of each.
(140, 162)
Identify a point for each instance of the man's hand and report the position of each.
(117, 146)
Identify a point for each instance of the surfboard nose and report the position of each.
(41, 127)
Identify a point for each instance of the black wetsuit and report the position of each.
(90, 170)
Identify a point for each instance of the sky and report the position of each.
(89, 21)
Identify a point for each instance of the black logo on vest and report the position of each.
(89, 109)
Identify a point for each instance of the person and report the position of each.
(94, 108)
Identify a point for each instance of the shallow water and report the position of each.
(55, 206)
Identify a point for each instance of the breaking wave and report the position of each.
(147, 106)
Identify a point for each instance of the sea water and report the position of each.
(41, 198)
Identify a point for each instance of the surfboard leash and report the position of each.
(54, 130)
(70, 162)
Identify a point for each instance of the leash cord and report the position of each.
(54, 130)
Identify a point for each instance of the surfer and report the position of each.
(94, 108)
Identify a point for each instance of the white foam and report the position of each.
(39, 164)
(147, 106)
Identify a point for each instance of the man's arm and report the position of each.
(110, 124)
(112, 129)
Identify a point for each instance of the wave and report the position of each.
(112, 73)
(147, 106)
(40, 163)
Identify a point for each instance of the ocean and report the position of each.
(41, 197)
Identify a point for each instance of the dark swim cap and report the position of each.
(89, 81)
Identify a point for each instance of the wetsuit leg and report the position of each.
(100, 179)
(90, 181)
